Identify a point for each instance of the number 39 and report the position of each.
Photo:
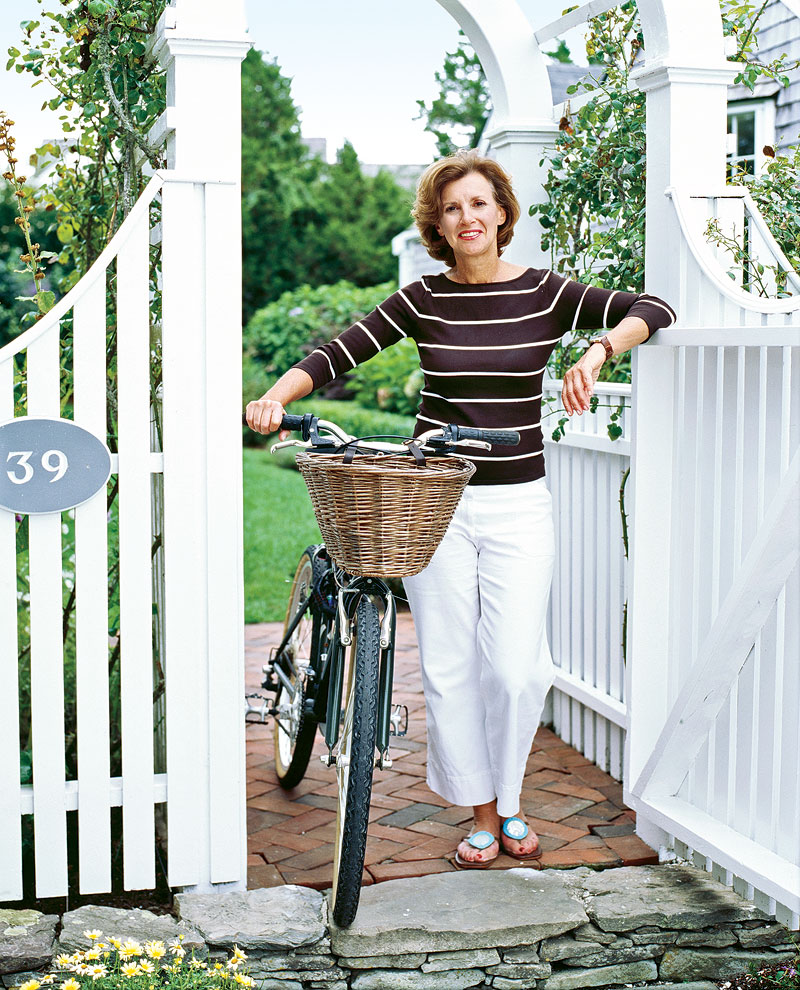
(57, 469)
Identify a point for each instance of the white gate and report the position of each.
(714, 690)
(177, 533)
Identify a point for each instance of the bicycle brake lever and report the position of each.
(480, 444)
(288, 443)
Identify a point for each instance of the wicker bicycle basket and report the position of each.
(383, 515)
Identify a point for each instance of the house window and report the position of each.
(751, 126)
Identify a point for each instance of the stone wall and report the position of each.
(551, 929)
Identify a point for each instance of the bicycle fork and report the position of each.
(389, 719)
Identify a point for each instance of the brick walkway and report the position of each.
(575, 808)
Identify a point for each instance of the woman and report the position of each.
(485, 330)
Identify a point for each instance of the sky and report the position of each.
(357, 69)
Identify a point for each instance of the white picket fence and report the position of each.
(50, 796)
(585, 471)
(179, 519)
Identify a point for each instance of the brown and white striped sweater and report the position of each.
(483, 350)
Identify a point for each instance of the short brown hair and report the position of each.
(427, 209)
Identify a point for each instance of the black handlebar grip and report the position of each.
(291, 422)
(508, 438)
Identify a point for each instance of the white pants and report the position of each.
(479, 609)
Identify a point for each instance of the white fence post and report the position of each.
(685, 109)
(202, 44)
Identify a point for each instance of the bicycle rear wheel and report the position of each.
(356, 761)
(294, 731)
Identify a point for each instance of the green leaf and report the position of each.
(45, 301)
(65, 232)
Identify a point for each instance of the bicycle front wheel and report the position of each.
(356, 760)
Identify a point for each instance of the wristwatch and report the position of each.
(606, 345)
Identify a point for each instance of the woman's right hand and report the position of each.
(264, 416)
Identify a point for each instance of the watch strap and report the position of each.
(606, 345)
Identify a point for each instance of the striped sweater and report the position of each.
(483, 350)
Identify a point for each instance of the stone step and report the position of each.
(658, 926)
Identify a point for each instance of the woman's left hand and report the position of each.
(579, 381)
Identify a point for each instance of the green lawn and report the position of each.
(279, 524)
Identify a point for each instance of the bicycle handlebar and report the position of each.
(446, 438)
(508, 438)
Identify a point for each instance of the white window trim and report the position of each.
(764, 110)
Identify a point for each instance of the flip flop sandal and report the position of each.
(478, 840)
(515, 828)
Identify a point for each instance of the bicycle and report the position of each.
(334, 664)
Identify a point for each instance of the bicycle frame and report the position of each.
(330, 676)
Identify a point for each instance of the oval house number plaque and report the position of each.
(49, 465)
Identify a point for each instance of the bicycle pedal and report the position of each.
(399, 717)
(383, 761)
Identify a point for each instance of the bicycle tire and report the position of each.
(294, 736)
(355, 780)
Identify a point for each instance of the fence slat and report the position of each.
(185, 563)
(10, 823)
(91, 607)
(227, 797)
(47, 652)
(136, 620)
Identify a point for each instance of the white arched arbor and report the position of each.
(685, 75)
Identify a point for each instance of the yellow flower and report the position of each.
(94, 934)
(155, 949)
(233, 963)
(130, 949)
(49, 978)
(97, 971)
(242, 980)
(81, 969)
(130, 969)
(63, 961)
(179, 952)
(92, 954)
(31, 985)
(238, 954)
(115, 942)
(217, 965)
(146, 966)
(71, 984)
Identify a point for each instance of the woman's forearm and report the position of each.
(578, 384)
(629, 332)
(295, 384)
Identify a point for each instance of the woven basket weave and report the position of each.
(383, 516)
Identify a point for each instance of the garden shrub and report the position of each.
(390, 381)
(285, 331)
